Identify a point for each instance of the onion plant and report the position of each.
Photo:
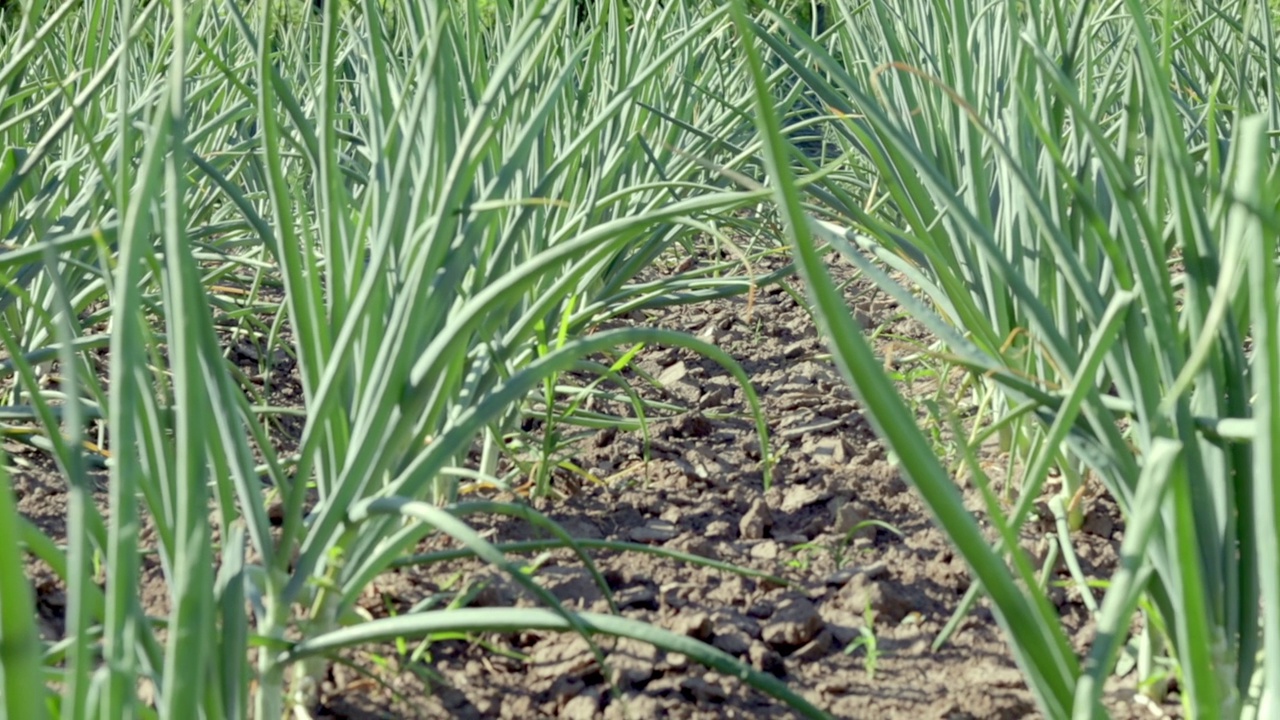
(429, 210)
(1081, 201)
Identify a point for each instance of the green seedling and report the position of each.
(804, 555)
(867, 643)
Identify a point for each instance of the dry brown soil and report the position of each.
(701, 491)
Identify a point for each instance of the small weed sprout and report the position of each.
(867, 642)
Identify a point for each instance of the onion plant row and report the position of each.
(428, 208)
(1082, 201)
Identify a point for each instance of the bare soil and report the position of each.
(695, 485)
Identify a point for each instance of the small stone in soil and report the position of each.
(835, 686)
(766, 550)
(695, 625)
(644, 597)
(567, 687)
(795, 622)
(632, 662)
(570, 584)
(693, 545)
(486, 706)
(675, 379)
(632, 706)
(733, 641)
(766, 659)
(673, 373)
(719, 529)
(796, 497)
(520, 706)
(1099, 523)
(558, 659)
(815, 649)
(702, 691)
(812, 427)
(826, 451)
(842, 576)
(887, 601)
(654, 531)
(582, 707)
(848, 515)
(452, 698)
(754, 521)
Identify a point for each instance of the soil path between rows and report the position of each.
(694, 485)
